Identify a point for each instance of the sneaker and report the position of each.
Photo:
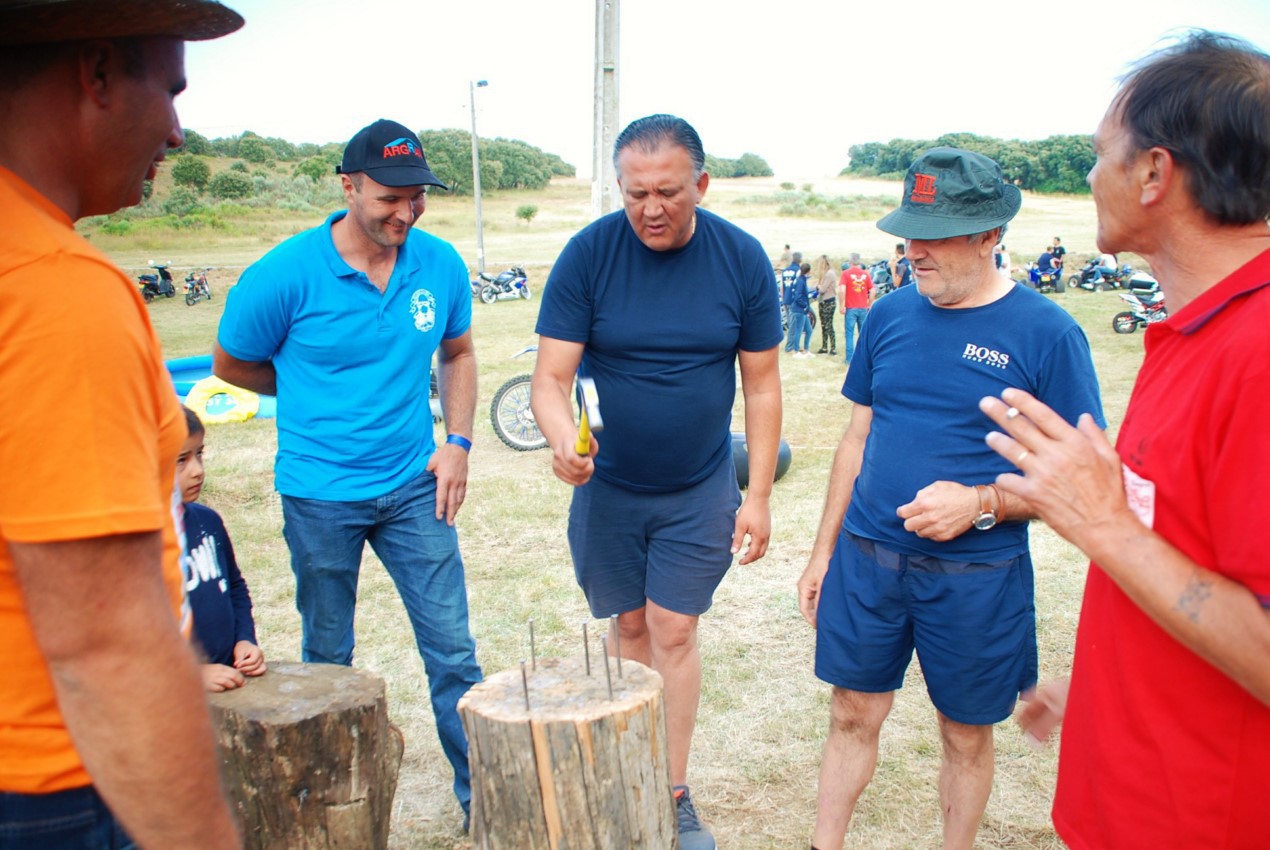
(823, 351)
(693, 834)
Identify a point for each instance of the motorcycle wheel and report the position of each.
(1059, 285)
(1124, 323)
(512, 418)
(525, 293)
(489, 294)
(190, 299)
(147, 295)
(1074, 281)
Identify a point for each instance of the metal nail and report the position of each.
(608, 677)
(617, 645)
(524, 683)
(533, 651)
(586, 649)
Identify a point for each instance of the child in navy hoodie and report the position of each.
(224, 630)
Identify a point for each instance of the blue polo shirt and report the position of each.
(353, 364)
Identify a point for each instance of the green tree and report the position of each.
(182, 202)
(526, 212)
(753, 165)
(314, 168)
(196, 143)
(257, 150)
(191, 170)
(231, 185)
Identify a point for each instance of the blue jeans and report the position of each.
(854, 319)
(75, 819)
(797, 327)
(421, 554)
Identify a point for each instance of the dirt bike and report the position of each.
(510, 414)
(154, 285)
(513, 283)
(196, 287)
(1146, 307)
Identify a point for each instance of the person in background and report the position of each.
(857, 295)
(105, 736)
(1059, 253)
(1166, 719)
(901, 269)
(797, 306)
(827, 296)
(224, 628)
(812, 290)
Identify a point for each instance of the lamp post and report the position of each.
(473, 85)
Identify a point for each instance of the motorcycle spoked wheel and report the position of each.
(512, 418)
(525, 293)
(190, 298)
(489, 294)
(1124, 323)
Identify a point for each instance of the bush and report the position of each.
(191, 171)
(526, 212)
(239, 166)
(181, 202)
(117, 227)
(230, 184)
(314, 168)
(788, 187)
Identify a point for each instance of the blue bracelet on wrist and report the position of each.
(459, 440)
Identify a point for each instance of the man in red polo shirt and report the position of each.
(1166, 737)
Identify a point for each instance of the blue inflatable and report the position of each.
(741, 460)
(214, 400)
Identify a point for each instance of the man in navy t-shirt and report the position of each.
(918, 549)
(657, 304)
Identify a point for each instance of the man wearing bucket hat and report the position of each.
(341, 322)
(917, 548)
(103, 723)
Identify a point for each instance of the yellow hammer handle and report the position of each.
(584, 435)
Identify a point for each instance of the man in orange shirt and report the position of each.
(104, 730)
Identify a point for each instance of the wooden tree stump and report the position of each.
(578, 770)
(308, 758)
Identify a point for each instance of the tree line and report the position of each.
(1056, 164)
(505, 163)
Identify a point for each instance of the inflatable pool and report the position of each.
(211, 398)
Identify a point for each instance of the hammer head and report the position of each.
(589, 402)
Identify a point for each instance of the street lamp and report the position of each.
(473, 85)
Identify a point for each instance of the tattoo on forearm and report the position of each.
(1198, 590)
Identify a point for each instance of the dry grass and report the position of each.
(763, 716)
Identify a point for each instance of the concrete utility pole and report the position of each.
(603, 178)
(472, 86)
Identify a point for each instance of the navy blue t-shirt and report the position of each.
(922, 369)
(662, 330)
(218, 596)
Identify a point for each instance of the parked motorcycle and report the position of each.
(1088, 278)
(883, 280)
(511, 416)
(1146, 306)
(196, 288)
(154, 285)
(513, 283)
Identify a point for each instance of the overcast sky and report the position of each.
(798, 83)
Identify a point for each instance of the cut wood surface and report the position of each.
(577, 770)
(308, 757)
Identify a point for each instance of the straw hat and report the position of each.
(44, 21)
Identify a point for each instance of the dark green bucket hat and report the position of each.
(952, 192)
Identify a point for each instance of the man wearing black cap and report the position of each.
(103, 722)
(917, 548)
(341, 323)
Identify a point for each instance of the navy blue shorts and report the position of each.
(671, 548)
(973, 627)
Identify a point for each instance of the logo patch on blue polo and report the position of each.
(423, 307)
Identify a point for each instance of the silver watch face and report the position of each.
(985, 521)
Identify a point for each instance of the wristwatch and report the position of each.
(987, 518)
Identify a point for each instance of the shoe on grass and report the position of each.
(693, 834)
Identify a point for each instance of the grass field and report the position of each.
(763, 714)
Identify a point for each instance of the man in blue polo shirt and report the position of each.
(341, 323)
(917, 549)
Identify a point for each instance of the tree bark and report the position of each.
(308, 757)
(577, 770)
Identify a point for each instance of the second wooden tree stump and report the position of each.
(308, 758)
(577, 770)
